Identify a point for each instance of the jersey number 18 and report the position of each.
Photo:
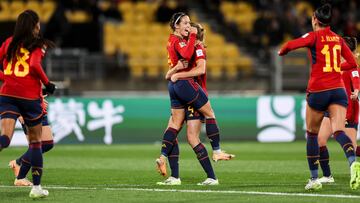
(20, 61)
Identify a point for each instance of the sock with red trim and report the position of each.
(36, 161)
(204, 160)
(212, 132)
(174, 160)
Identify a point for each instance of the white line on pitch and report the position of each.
(199, 191)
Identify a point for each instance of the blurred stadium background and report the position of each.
(109, 66)
(120, 44)
(111, 57)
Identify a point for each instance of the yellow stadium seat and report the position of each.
(77, 16)
(243, 7)
(34, 5)
(16, 7)
(227, 7)
(214, 68)
(137, 70)
(5, 13)
(126, 6)
(104, 5)
(110, 48)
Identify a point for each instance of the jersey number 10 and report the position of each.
(20, 61)
(325, 51)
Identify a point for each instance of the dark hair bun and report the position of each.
(351, 43)
(323, 14)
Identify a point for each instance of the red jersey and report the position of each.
(325, 48)
(351, 82)
(200, 53)
(23, 76)
(179, 48)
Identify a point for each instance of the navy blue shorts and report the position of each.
(45, 122)
(351, 125)
(327, 114)
(174, 99)
(188, 92)
(320, 101)
(192, 114)
(30, 110)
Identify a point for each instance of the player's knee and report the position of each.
(322, 141)
(4, 141)
(313, 129)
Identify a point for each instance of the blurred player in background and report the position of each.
(351, 82)
(21, 56)
(325, 91)
(21, 166)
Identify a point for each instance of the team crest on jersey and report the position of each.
(199, 52)
(182, 44)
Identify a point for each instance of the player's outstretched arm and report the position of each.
(306, 40)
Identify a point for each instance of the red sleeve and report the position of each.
(2, 52)
(354, 75)
(306, 40)
(348, 56)
(1, 76)
(200, 53)
(187, 50)
(35, 63)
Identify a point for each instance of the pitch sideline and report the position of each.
(198, 191)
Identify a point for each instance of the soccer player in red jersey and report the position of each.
(351, 82)
(325, 91)
(20, 94)
(193, 118)
(21, 166)
(185, 91)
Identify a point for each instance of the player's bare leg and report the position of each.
(337, 117)
(7, 131)
(313, 123)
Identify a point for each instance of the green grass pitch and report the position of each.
(274, 172)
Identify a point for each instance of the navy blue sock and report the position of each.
(45, 147)
(174, 160)
(346, 144)
(168, 141)
(212, 132)
(204, 160)
(4, 141)
(25, 166)
(324, 161)
(36, 161)
(312, 152)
